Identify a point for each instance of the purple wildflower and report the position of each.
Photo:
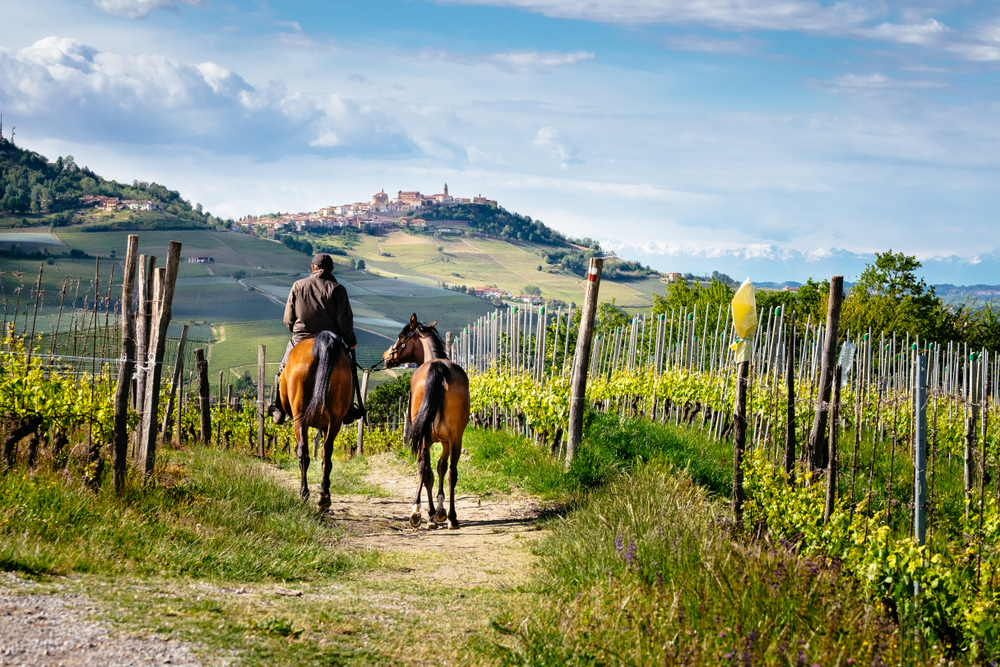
(619, 543)
(630, 554)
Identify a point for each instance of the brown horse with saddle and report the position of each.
(318, 382)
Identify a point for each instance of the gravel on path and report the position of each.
(49, 631)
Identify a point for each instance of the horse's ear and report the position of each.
(432, 324)
(413, 320)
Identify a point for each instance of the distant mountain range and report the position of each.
(771, 264)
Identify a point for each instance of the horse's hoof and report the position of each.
(415, 519)
(453, 525)
(324, 504)
(432, 525)
(442, 516)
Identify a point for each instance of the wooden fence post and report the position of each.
(174, 385)
(360, 447)
(158, 340)
(739, 440)
(834, 462)
(790, 411)
(971, 419)
(203, 396)
(578, 384)
(127, 364)
(818, 444)
(147, 267)
(261, 349)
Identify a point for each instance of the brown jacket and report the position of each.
(319, 303)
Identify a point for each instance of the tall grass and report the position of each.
(209, 513)
(646, 572)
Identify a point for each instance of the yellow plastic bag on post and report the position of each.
(744, 320)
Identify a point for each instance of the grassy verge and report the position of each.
(646, 573)
(209, 514)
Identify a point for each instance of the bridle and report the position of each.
(400, 345)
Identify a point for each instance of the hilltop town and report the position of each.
(380, 211)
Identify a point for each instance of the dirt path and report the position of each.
(491, 535)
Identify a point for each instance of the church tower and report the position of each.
(445, 189)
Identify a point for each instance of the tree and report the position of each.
(889, 297)
(812, 299)
(245, 387)
(361, 265)
(533, 290)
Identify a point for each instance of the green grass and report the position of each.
(226, 302)
(647, 573)
(496, 463)
(482, 261)
(210, 514)
(237, 349)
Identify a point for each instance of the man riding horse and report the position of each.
(317, 303)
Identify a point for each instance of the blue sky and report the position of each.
(679, 131)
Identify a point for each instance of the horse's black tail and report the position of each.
(420, 429)
(327, 349)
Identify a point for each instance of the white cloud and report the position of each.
(536, 60)
(914, 33)
(742, 45)
(512, 61)
(550, 141)
(727, 14)
(149, 98)
(137, 9)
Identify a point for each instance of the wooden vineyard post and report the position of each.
(834, 459)
(146, 267)
(790, 412)
(261, 349)
(203, 396)
(172, 397)
(739, 440)
(972, 417)
(360, 446)
(920, 456)
(127, 366)
(447, 344)
(581, 364)
(29, 348)
(159, 322)
(818, 444)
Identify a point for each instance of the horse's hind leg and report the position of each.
(302, 451)
(324, 496)
(441, 516)
(456, 453)
(425, 477)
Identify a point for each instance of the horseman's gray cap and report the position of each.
(323, 261)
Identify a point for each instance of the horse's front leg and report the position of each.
(442, 469)
(331, 435)
(302, 451)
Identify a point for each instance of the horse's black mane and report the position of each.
(437, 343)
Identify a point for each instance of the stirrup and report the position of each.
(277, 414)
(354, 413)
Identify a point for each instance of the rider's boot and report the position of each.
(354, 413)
(275, 409)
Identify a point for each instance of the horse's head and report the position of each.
(408, 347)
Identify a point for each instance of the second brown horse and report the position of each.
(439, 412)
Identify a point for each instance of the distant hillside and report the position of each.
(497, 221)
(31, 185)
